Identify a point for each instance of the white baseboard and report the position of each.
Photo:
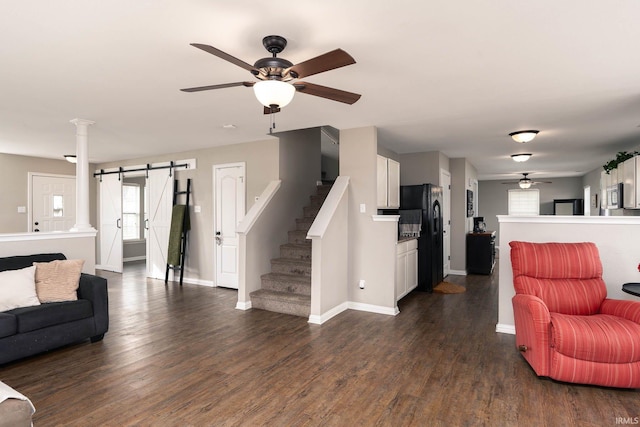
(373, 308)
(319, 320)
(505, 329)
(243, 305)
(192, 281)
(458, 272)
(134, 258)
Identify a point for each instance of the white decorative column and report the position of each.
(82, 176)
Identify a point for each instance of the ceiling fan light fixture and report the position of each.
(71, 158)
(525, 183)
(523, 136)
(274, 92)
(521, 157)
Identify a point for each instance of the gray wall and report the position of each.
(14, 172)
(493, 199)
(422, 168)
(462, 174)
(262, 166)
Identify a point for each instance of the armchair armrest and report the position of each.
(533, 325)
(629, 310)
(94, 289)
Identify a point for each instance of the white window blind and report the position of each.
(524, 202)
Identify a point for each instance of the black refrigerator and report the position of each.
(428, 198)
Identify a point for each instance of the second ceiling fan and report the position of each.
(274, 88)
(526, 182)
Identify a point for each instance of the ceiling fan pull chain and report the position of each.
(272, 124)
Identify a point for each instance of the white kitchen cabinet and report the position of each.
(406, 267)
(630, 181)
(388, 177)
(393, 183)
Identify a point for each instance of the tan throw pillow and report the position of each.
(58, 280)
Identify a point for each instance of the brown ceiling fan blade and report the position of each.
(220, 54)
(328, 61)
(220, 86)
(327, 92)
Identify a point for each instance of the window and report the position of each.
(524, 202)
(130, 211)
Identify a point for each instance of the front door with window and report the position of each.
(53, 203)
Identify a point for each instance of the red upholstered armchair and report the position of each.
(566, 327)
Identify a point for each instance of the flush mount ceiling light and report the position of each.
(71, 158)
(274, 93)
(521, 157)
(523, 136)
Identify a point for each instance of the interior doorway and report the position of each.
(229, 209)
(445, 182)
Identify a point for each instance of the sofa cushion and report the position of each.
(599, 338)
(50, 314)
(18, 289)
(22, 261)
(8, 325)
(58, 280)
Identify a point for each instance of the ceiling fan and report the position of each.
(526, 182)
(274, 88)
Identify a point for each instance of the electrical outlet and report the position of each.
(363, 208)
(361, 284)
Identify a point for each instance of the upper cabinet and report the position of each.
(631, 183)
(388, 183)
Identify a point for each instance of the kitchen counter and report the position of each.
(405, 239)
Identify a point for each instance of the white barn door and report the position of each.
(158, 222)
(110, 223)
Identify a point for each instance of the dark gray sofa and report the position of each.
(27, 331)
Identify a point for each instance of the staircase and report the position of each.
(287, 289)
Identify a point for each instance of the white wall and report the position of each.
(616, 237)
(372, 245)
(74, 245)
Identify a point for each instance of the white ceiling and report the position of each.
(453, 76)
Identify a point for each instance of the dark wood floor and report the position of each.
(185, 357)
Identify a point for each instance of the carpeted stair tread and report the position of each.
(298, 236)
(281, 302)
(296, 250)
(297, 284)
(291, 266)
(304, 223)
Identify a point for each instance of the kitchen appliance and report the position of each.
(479, 225)
(428, 198)
(615, 196)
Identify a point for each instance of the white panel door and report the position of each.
(229, 194)
(53, 203)
(158, 221)
(110, 232)
(445, 182)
